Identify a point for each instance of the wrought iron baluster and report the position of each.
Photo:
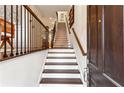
(30, 33)
(5, 54)
(17, 30)
(12, 29)
(21, 52)
(25, 30)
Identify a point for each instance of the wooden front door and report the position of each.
(105, 45)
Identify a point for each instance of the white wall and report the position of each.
(80, 26)
(24, 71)
(36, 11)
(49, 21)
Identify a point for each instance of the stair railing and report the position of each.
(21, 32)
(68, 29)
(67, 23)
(53, 35)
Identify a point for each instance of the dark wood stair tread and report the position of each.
(61, 57)
(60, 63)
(61, 71)
(61, 81)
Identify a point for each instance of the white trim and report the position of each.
(42, 68)
(113, 81)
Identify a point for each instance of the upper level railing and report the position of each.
(21, 31)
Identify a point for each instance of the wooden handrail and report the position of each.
(30, 10)
(68, 25)
(79, 44)
(54, 31)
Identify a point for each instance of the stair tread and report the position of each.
(61, 71)
(57, 63)
(61, 80)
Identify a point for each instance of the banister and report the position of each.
(68, 25)
(30, 10)
(79, 44)
(53, 36)
(31, 33)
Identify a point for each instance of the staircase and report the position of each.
(61, 67)
(61, 40)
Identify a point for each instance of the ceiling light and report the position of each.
(50, 18)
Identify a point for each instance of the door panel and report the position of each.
(93, 34)
(96, 36)
(100, 38)
(105, 45)
(96, 78)
(113, 18)
(88, 33)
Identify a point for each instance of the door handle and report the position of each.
(85, 74)
(99, 20)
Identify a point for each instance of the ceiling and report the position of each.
(48, 13)
(50, 10)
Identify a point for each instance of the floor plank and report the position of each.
(57, 63)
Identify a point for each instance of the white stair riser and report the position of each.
(72, 67)
(62, 45)
(56, 75)
(61, 50)
(61, 60)
(61, 55)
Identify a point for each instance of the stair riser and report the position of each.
(61, 55)
(67, 67)
(61, 50)
(60, 75)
